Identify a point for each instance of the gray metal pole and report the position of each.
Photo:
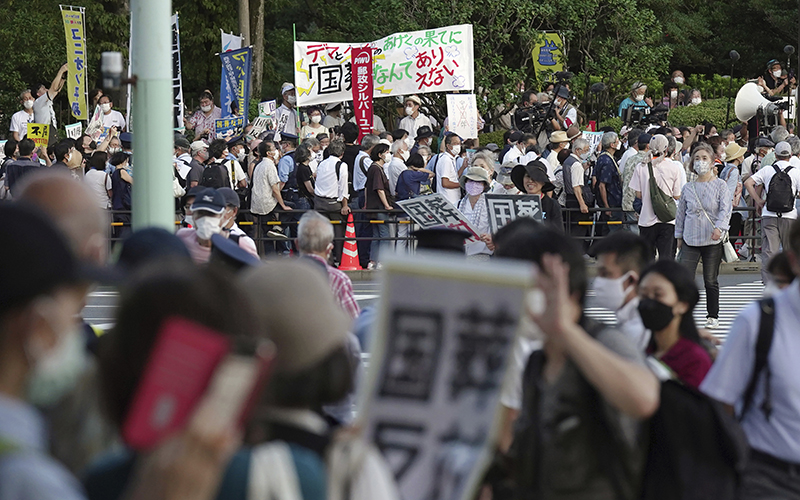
(153, 201)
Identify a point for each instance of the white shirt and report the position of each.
(114, 118)
(446, 167)
(577, 172)
(262, 199)
(629, 322)
(377, 124)
(411, 125)
(332, 121)
(668, 178)
(513, 154)
(511, 394)
(764, 176)
(729, 375)
(43, 110)
(327, 186)
(527, 158)
(626, 156)
(359, 176)
(19, 123)
(553, 164)
(393, 171)
(99, 182)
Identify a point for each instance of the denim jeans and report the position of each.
(380, 231)
(712, 258)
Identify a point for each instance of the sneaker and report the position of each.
(712, 323)
(370, 266)
(277, 232)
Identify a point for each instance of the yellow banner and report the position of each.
(548, 54)
(76, 58)
(39, 134)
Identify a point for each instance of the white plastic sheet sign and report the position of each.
(462, 115)
(431, 402)
(504, 208)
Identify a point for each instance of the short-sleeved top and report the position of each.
(608, 173)
(668, 178)
(703, 207)
(99, 183)
(376, 180)
(201, 122)
(729, 376)
(765, 175)
(262, 199)
(393, 171)
(43, 110)
(308, 131)
(446, 167)
(689, 361)
(18, 169)
(304, 174)
(19, 123)
(286, 120)
(195, 173)
(120, 191)
(285, 167)
(409, 182)
(114, 119)
(359, 175)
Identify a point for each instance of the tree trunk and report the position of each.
(258, 50)
(244, 21)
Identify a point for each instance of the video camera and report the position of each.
(528, 119)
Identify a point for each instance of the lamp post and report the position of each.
(734, 57)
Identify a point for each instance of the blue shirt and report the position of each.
(359, 177)
(607, 172)
(408, 183)
(28, 472)
(285, 167)
(628, 103)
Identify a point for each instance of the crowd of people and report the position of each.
(582, 401)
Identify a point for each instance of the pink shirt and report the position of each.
(201, 254)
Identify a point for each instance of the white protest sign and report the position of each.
(462, 115)
(504, 208)
(2, 149)
(260, 124)
(436, 211)
(437, 60)
(594, 139)
(267, 108)
(431, 400)
(74, 130)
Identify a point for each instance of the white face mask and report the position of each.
(274, 154)
(777, 73)
(673, 94)
(105, 107)
(617, 145)
(112, 151)
(387, 157)
(639, 98)
(585, 155)
(409, 110)
(316, 118)
(409, 142)
(405, 155)
(723, 156)
(679, 80)
(205, 109)
(702, 167)
(240, 155)
(609, 292)
(455, 150)
(207, 227)
(291, 100)
(28, 104)
(696, 100)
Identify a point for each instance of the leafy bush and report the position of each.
(492, 137)
(615, 122)
(712, 111)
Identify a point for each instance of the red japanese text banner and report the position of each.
(362, 90)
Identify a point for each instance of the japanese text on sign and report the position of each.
(229, 128)
(504, 208)
(76, 60)
(237, 69)
(226, 95)
(444, 335)
(362, 90)
(177, 82)
(436, 211)
(39, 134)
(437, 60)
(462, 115)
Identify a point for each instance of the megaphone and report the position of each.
(749, 102)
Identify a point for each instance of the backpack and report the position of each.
(780, 194)
(766, 330)
(664, 205)
(434, 181)
(215, 176)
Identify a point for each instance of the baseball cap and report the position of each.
(659, 144)
(228, 254)
(149, 245)
(515, 136)
(644, 139)
(210, 200)
(182, 142)
(286, 88)
(197, 146)
(783, 150)
(35, 257)
(230, 196)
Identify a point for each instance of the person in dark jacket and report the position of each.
(532, 179)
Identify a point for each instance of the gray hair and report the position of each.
(424, 151)
(580, 143)
(397, 146)
(310, 142)
(672, 144)
(336, 148)
(369, 141)
(794, 142)
(22, 94)
(314, 233)
(487, 158)
(542, 97)
(779, 134)
(609, 138)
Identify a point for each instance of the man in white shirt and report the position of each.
(111, 117)
(558, 142)
(446, 172)
(414, 119)
(21, 119)
(769, 409)
(331, 193)
(43, 106)
(621, 258)
(774, 226)
(519, 150)
(395, 167)
(333, 116)
(660, 235)
(633, 146)
(286, 115)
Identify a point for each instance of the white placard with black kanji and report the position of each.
(436, 211)
(503, 208)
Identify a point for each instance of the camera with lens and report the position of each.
(529, 118)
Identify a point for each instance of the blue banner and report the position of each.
(236, 65)
(230, 128)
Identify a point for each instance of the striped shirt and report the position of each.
(691, 222)
(342, 288)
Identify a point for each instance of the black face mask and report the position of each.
(655, 315)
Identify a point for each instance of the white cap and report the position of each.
(286, 87)
(197, 146)
(385, 141)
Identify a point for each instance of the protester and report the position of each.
(305, 178)
(199, 152)
(21, 119)
(98, 180)
(594, 377)
(43, 105)
(702, 218)
(414, 119)
(755, 377)
(446, 170)
(558, 143)
(229, 227)
(621, 260)
(532, 179)
(778, 211)
(315, 241)
(331, 194)
(266, 194)
(286, 114)
(111, 117)
(659, 234)
(22, 166)
(424, 138)
(203, 120)
(315, 126)
(476, 182)
(207, 210)
(609, 180)
(578, 188)
(333, 116)
(519, 148)
(378, 197)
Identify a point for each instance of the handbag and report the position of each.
(664, 205)
(728, 252)
(177, 190)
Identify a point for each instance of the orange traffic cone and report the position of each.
(350, 253)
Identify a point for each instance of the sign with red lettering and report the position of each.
(362, 89)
